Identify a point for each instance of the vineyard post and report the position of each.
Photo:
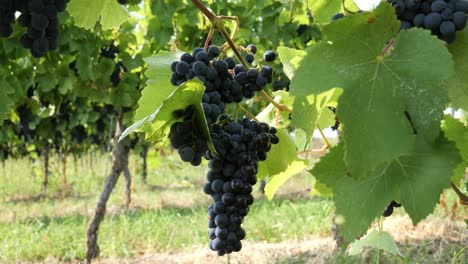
(45, 176)
(75, 163)
(119, 163)
(144, 156)
(64, 171)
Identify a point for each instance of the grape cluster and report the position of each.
(225, 82)
(189, 143)
(389, 210)
(233, 82)
(282, 83)
(240, 145)
(335, 126)
(40, 17)
(111, 52)
(442, 18)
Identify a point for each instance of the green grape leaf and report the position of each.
(279, 157)
(457, 132)
(46, 82)
(381, 78)
(323, 11)
(84, 66)
(458, 84)
(416, 181)
(125, 94)
(279, 179)
(308, 110)
(331, 167)
(290, 58)
(375, 239)
(268, 114)
(88, 12)
(157, 125)
(105, 68)
(158, 87)
(6, 104)
(301, 139)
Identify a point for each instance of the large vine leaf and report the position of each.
(457, 132)
(415, 180)
(381, 78)
(307, 110)
(125, 94)
(290, 58)
(88, 12)
(157, 125)
(158, 87)
(458, 85)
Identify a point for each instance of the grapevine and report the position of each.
(40, 17)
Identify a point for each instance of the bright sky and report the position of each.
(367, 4)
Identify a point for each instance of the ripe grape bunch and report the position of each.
(40, 17)
(239, 143)
(225, 82)
(442, 18)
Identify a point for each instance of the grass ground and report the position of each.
(167, 222)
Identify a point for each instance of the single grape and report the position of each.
(459, 20)
(447, 28)
(432, 21)
(249, 58)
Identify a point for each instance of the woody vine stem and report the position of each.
(218, 23)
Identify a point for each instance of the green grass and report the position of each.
(168, 215)
(156, 230)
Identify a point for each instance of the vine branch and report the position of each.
(218, 23)
(205, 10)
(280, 107)
(248, 113)
(463, 198)
(324, 138)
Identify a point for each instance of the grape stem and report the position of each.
(346, 10)
(280, 107)
(236, 112)
(218, 23)
(208, 38)
(205, 10)
(324, 138)
(248, 113)
(387, 47)
(463, 198)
